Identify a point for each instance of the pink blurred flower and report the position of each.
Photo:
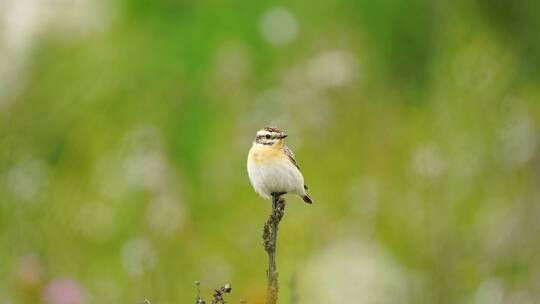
(63, 291)
(29, 272)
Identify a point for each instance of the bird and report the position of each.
(271, 166)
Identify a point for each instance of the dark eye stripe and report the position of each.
(259, 138)
(268, 136)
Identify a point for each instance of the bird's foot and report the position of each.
(277, 194)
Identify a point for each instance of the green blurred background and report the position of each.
(125, 126)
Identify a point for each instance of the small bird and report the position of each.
(272, 168)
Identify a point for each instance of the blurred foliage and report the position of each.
(124, 136)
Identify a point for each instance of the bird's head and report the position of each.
(269, 136)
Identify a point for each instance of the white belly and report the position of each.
(278, 176)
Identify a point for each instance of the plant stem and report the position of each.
(270, 241)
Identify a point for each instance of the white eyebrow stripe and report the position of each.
(263, 133)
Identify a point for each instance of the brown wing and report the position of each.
(290, 156)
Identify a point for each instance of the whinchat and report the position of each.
(272, 168)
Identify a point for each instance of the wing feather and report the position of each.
(290, 156)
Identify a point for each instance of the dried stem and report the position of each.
(270, 241)
(218, 297)
(218, 294)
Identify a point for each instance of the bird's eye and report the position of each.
(267, 136)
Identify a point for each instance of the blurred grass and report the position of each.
(122, 156)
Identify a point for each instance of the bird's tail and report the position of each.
(307, 199)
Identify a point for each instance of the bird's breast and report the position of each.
(264, 155)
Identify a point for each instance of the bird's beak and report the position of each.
(282, 135)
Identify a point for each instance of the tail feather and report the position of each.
(307, 199)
